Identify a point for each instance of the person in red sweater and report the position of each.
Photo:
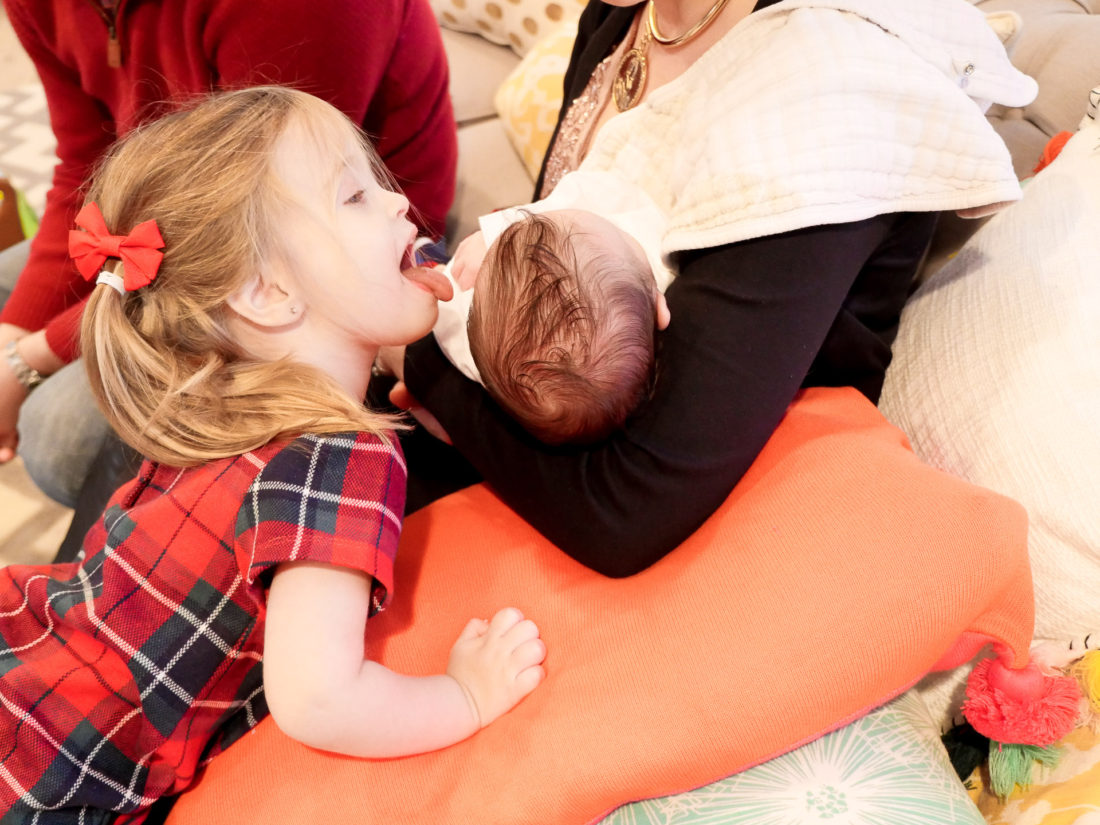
(109, 65)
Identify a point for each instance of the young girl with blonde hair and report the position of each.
(249, 265)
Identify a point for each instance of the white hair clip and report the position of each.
(112, 280)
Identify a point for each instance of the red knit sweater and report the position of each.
(379, 61)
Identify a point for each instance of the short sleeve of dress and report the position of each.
(337, 499)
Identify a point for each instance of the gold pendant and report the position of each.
(630, 79)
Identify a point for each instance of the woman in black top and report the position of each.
(753, 321)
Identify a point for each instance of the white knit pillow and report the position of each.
(996, 376)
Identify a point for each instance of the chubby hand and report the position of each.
(401, 398)
(497, 662)
(466, 262)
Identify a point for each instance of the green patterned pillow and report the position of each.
(886, 768)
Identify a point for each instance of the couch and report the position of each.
(887, 765)
(1056, 41)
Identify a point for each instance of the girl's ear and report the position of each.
(265, 303)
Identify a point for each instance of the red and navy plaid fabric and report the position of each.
(121, 673)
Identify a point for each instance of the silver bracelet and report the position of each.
(25, 374)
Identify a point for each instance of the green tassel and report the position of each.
(1012, 765)
(27, 217)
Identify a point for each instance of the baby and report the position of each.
(560, 328)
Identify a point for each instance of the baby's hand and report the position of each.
(401, 398)
(466, 262)
(497, 662)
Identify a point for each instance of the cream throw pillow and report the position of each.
(996, 376)
(516, 23)
(529, 98)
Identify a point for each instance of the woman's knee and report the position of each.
(61, 431)
(12, 261)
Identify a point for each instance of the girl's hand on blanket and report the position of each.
(497, 663)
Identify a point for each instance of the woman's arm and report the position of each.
(748, 321)
(323, 691)
(50, 283)
(391, 79)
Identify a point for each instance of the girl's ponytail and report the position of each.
(115, 355)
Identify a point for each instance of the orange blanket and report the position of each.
(839, 571)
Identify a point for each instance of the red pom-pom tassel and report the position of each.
(1025, 706)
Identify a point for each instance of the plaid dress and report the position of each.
(120, 674)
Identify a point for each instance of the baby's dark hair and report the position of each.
(564, 343)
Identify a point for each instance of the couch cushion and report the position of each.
(490, 176)
(995, 377)
(530, 97)
(477, 69)
(1057, 45)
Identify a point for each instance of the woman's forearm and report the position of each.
(587, 502)
(747, 323)
(49, 283)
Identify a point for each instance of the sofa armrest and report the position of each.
(491, 173)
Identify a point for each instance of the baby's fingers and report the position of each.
(504, 620)
(473, 629)
(520, 632)
(528, 679)
(528, 653)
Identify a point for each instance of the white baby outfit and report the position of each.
(606, 194)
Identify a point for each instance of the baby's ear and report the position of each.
(663, 315)
(265, 303)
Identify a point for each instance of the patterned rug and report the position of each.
(26, 142)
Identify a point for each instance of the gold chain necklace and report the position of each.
(633, 68)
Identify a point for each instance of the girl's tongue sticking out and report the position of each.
(431, 280)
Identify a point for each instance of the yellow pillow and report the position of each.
(516, 23)
(1061, 796)
(529, 98)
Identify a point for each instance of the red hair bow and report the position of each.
(138, 250)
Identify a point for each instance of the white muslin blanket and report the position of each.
(814, 112)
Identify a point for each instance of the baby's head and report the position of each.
(165, 363)
(563, 324)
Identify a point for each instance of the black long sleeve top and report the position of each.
(752, 322)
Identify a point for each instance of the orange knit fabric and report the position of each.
(838, 572)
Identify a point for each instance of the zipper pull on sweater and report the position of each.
(108, 10)
(114, 48)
